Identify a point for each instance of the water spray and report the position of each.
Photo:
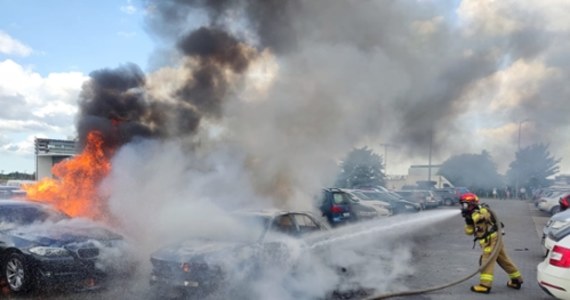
(375, 227)
(491, 259)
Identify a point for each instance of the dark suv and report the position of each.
(448, 196)
(335, 206)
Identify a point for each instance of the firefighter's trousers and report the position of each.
(504, 261)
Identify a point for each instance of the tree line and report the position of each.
(532, 168)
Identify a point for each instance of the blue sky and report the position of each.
(79, 35)
(47, 49)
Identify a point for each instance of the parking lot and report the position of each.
(440, 254)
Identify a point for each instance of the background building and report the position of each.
(418, 174)
(50, 152)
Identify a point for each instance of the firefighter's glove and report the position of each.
(466, 213)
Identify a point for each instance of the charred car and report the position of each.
(41, 247)
(198, 267)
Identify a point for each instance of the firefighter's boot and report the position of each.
(481, 289)
(515, 283)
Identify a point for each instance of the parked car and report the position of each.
(42, 247)
(449, 196)
(364, 208)
(397, 203)
(553, 274)
(460, 190)
(335, 206)
(426, 199)
(200, 266)
(551, 204)
(11, 192)
(555, 223)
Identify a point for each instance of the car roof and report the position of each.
(267, 212)
(14, 202)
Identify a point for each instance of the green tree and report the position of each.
(361, 167)
(532, 167)
(478, 172)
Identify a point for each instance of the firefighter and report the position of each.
(480, 223)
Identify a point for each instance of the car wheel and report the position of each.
(448, 202)
(555, 210)
(17, 273)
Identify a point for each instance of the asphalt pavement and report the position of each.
(446, 254)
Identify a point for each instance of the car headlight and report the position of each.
(49, 251)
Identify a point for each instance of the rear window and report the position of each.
(339, 198)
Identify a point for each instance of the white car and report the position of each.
(551, 204)
(557, 222)
(367, 209)
(553, 274)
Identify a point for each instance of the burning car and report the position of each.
(200, 266)
(43, 247)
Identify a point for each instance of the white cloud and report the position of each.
(35, 105)
(129, 8)
(11, 46)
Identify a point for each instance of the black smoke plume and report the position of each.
(116, 101)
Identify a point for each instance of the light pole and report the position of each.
(386, 146)
(518, 150)
(429, 159)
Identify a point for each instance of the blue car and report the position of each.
(335, 206)
(41, 247)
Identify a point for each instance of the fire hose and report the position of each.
(491, 260)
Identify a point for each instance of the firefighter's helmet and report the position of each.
(469, 198)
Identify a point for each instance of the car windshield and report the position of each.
(246, 228)
(363, 196)
(379, 196)
(29, 214)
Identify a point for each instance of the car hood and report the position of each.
(63, 234)
(184, 251)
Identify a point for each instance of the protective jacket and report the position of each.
(481, 224)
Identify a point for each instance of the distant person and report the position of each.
(508, 191)
(522, 195)
(495, 193)
(480, 223)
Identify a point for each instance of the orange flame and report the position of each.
(75, 189)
